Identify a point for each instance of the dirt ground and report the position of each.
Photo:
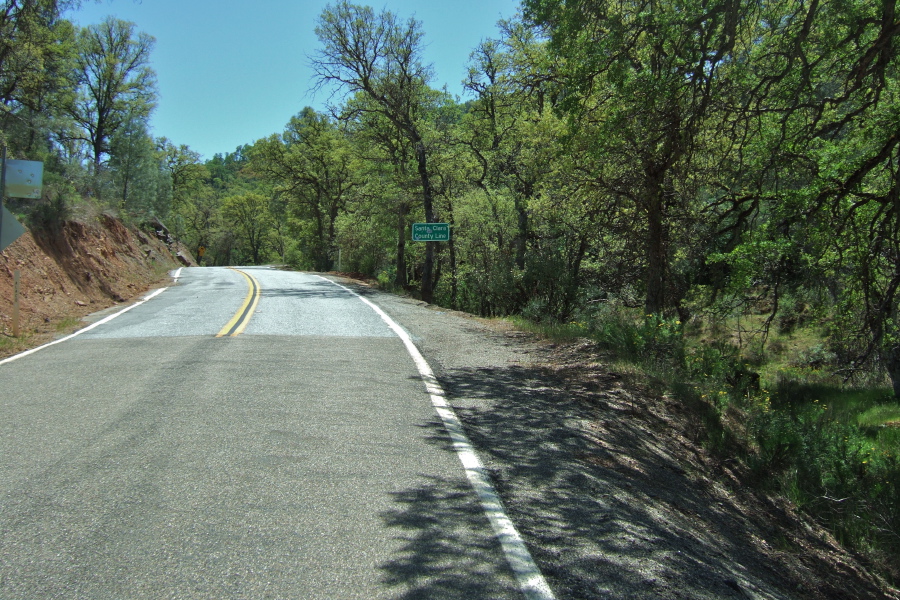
(81, 269)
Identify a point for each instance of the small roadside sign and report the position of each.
(10, 228)
(431, 232)
(18, 179)
(24, 179)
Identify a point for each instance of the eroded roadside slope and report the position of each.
(608, 484)
(77, 270)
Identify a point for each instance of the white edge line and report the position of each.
(85, 329)
(531, 581)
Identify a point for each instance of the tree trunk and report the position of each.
(454, 276)
(400, 277)
(97, 149)
(889, 352)
(522, 234)
(428, 202)
(332, 238)
(891, 358)
(655, 301)
(571, 291)
(321, 252)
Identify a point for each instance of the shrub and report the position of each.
(652, 339)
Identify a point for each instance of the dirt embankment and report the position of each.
(77, 270)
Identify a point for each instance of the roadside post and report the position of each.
(2, 194)
(15, 320)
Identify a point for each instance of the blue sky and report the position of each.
(230, 72)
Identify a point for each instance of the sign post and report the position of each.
(15, 319)
(431, 232)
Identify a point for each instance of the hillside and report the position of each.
(82, 268)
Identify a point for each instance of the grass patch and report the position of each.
(844, 402)
(6, 342)
(10, 345)
(67, 323)
(557, 332)
(825, 447)
(880, 416)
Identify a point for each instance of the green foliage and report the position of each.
(486, 274)
(248, 217)
(182, 172)
(312, 168)
(843, 474)
(833, 450)
(55, 207)
(377, 58)
(650, 340)
(386, 279)
(36, 55)
(730, 166)
(136, 173)
(887, 415)
(117, 84)
(558, 332)
(294, 257)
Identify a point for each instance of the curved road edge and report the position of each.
(531, 580)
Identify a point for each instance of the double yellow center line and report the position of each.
(238, 323)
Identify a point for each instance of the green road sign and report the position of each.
(431, 232)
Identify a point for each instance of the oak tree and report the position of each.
(380, 56)
(115, 80)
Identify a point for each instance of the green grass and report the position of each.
(825, 447)
(67, 323)
(845, 402)
(557, 332)
(879, 416)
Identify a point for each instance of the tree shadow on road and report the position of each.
(445, 551)
(611, 500)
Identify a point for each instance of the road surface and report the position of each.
(245, 434)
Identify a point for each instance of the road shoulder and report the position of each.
(604, 481)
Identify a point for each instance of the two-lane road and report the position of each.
(302, 458)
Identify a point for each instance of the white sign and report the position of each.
(24, 179)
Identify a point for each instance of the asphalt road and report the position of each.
(302, 458)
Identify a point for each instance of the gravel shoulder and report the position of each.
(605, 482)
